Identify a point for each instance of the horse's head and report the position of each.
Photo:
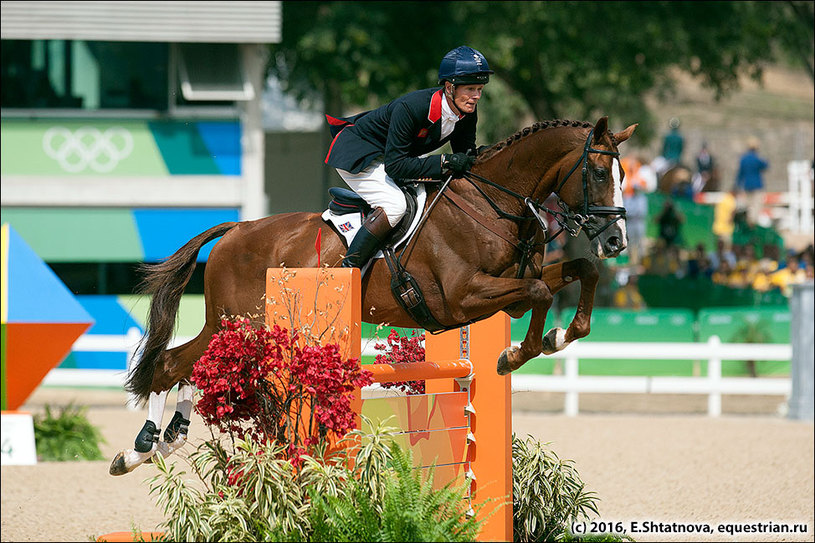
(592, 189)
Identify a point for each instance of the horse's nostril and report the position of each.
(614, 243)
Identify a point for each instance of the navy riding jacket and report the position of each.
(402, 131)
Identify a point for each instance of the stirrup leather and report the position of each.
(408, 294)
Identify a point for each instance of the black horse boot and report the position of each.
(368, 240)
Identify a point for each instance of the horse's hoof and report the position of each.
(127, 461)
(504, 366)
(118, 466)
(554, 340)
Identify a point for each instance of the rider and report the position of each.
(376, 150)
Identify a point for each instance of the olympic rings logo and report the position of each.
(87, 147)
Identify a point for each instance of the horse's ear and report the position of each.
(600, 129)
(625, 134)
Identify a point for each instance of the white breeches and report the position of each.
(378, 189)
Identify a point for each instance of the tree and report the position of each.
(584, 59)
(552, 59)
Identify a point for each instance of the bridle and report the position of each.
(588, 210)
(565, 215)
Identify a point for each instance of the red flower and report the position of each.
(403, 350)
(260, 382)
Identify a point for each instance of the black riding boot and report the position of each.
(368, 240)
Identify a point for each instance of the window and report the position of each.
(88, 75)
(211, 73)
(113, 278)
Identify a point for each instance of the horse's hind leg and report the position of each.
(558, 276)
(175, 436)
(146, 443)
(176, 368)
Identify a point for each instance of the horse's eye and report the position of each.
(601, 174)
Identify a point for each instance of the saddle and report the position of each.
(405, 288)
(345, 201)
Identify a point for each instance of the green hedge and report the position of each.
(699, 293)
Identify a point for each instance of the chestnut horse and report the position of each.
(479, 251)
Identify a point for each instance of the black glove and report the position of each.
(457, 163)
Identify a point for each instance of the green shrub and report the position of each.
(547, 493)
(68, 436)
(410, 509)
(253, 493)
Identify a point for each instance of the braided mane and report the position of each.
(521, 134)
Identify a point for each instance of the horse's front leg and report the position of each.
(557, 276)
(488, 295)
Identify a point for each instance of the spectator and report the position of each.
(648, 176)
(723, 273)
(763, 273)
(663, 261)
(746, 265)
(628, 295)
(789, 275)
(750, 180)
(698, 264)
(724, 214)
(703, 180)
(721, 254)
(673, 143)
(636, 209)
(637, 174)
(670, 224)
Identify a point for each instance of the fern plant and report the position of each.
(66, 436)
(410, 509)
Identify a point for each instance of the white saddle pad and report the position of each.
(349, 223)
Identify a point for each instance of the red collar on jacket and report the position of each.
(435, 107)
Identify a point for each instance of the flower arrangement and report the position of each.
(261, 383)
(402, 350)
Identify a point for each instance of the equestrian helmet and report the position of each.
(464, 66)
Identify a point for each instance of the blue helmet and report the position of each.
(464, 66)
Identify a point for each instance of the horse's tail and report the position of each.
(165, 281)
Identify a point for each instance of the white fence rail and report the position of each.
(714, 385)
(712, 351)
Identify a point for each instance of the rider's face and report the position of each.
(465, 97)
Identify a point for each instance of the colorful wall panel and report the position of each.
(39, 319)
(114, 234)
(120, 147)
